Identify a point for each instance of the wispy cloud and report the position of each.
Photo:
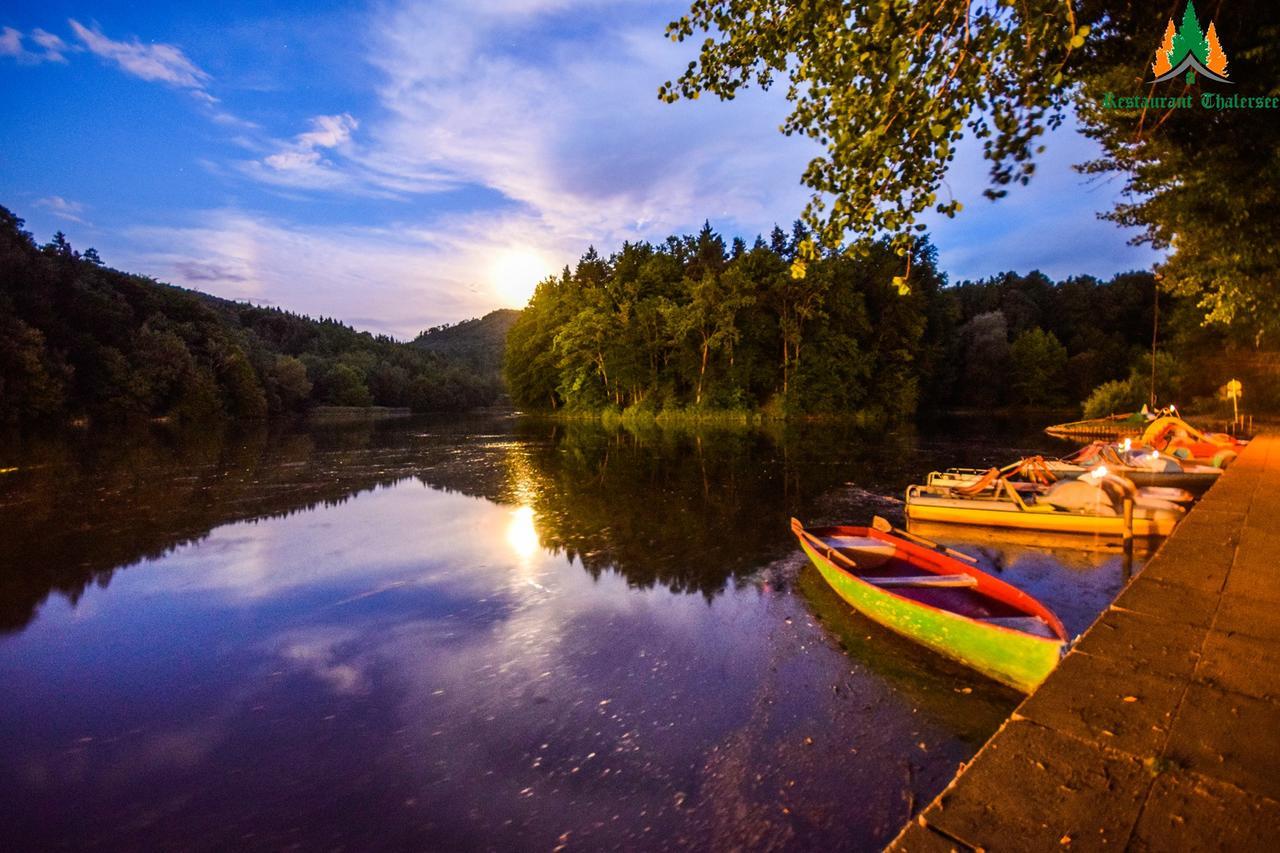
(157, 62)
(301, 162)
(569, 125)
(55, 49)
(51, 48)
(62, 208)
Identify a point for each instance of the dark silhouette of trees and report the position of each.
(80, 340)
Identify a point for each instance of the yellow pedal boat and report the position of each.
(1092, 505)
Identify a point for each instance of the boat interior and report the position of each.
(878, 562)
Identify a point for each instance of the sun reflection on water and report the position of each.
(522, 536)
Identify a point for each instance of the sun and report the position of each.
(514, 274)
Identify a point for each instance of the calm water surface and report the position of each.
(477, 634)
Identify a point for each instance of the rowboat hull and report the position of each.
(1019, 660)
(1001, 514)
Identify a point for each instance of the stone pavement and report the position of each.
(1160, 730)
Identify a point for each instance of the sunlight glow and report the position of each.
(521, 534)
(515, 273)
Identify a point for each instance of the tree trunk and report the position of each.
(706, 346)
(784, 365)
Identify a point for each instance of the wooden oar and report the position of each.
(883, 525)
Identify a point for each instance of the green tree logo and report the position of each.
(1187, 48)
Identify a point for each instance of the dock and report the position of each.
(1160, 730)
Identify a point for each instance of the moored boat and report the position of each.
(944, 604)
(1178, 438)
(1036, 475)
(1090, 504)
(1144, 467)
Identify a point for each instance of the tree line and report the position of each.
(80, 340)
(693, 324)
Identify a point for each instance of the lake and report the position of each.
(478, 633)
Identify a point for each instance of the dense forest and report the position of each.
(693, 324)
(80, 340)
(475, 344)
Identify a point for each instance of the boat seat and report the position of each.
(1026, 624)
(923, 580)
(867, 551)
(857, 542)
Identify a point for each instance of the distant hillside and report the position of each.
(80, 340)
(477, 344)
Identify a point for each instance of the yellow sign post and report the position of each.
(1234, 391)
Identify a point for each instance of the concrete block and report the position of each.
(1200, 559)
(1035, 789)
(1229, 737)
(1171, 602)
(1241, 664)
(1150, 643)
(1240, 615)
(1189, 812)
(1255, 574)
(1114, 703)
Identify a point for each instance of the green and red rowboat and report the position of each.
(944, 604)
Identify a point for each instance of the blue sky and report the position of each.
(400, 165)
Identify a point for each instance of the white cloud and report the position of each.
(487, 94)
(62, 208)
(299, 163)
(157, 62)
(11, 42)
(52, 48)
(571, 127)
(55, 48)
(328, 132)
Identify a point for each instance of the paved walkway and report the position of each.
(1161, 729)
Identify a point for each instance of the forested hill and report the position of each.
(80, 340)
(477, 344)
(695, 324)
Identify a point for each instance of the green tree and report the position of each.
(887, 88)
(346, 388)
(31, 386)
(288, 380)
(986, 359)
(242, 393)
(710, 318)
(1037, 364)
(389, 384)
(1111, 398)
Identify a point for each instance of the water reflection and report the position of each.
(521, 533)
(462, 634)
